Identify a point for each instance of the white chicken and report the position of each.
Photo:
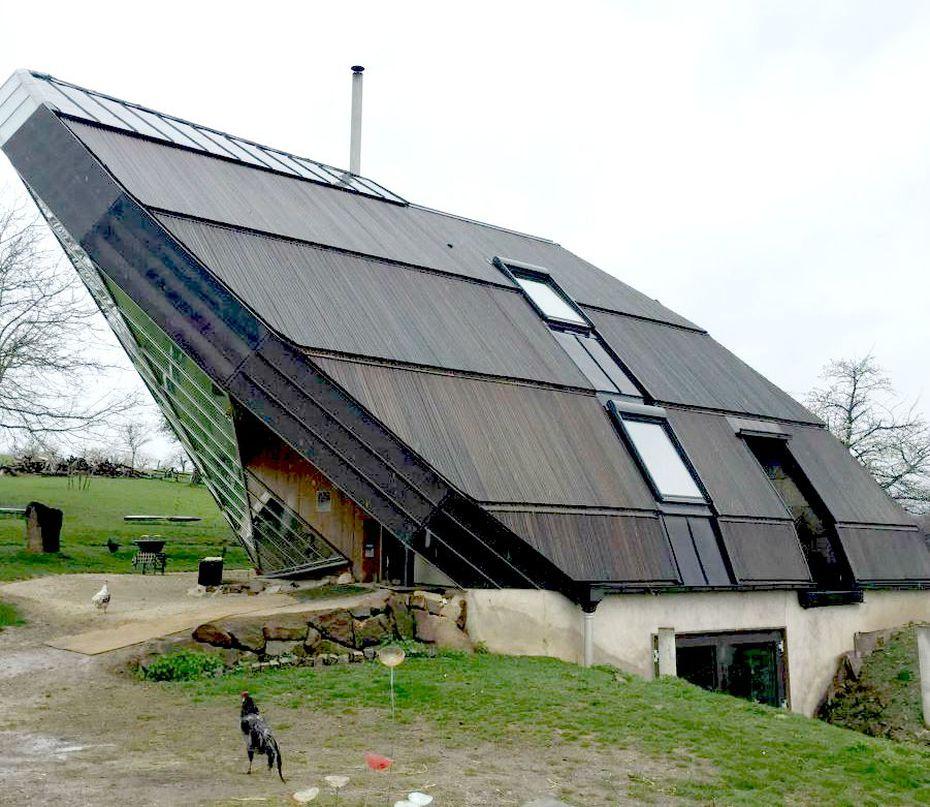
(102, 598)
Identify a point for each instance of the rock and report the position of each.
(357, 657)
(327, 647)
(440, 631)
(369, 653)
(275, 589)
(372, 631)
(312, 639)
(345, 579)
(361, 611)
(256, 586)
(329, 659)
(378, 601)
(286, 627)
(343, 659)
(275, 647)
(212, 634)
(452, 610)
(335, 625)
(196, 591)
(247, 634)
(403, 621)
(230, 657)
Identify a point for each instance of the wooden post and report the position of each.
(665, 652)
(43, 528)
(923, 656)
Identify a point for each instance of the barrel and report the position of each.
(210, 572)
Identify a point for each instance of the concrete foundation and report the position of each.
(544, 623)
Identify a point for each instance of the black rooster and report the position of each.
(258, 736)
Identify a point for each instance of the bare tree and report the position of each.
(889, 437)
(46, 326)
(135, 434)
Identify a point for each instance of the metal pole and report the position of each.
(355, 145)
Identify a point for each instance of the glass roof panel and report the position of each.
(662, 460)
(552, 304)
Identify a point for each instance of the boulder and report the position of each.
(335, 625)
(454, 611)
(372, 631)
(212, 634)
(369, 653)
(312, 639)
(276, 647)
(330, 648)
(285, 628)
(440, 631)
(360, 611)
(403, 621)
(247, 634)
(345, 579)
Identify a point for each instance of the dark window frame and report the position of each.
(722, 639)
(514, 269)
(620, 411)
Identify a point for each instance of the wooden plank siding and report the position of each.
(196, 184)
(683, 367)
(885, 555)
(322, 298)
(296, 482)
(764, 552)
(596, 548)
(736, 482)
(847, 489)
(501, 442)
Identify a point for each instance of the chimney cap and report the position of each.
(357, 68)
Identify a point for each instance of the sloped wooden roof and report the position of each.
(402, 309)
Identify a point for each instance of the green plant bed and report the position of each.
(95, 514)
(184, 665)
(720, 750)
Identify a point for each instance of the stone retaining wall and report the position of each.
(318, 636)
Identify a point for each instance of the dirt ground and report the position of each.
(78, 730)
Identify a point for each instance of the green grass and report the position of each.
(9, 616)
(718, 749)
(885, 701)
(93, 515)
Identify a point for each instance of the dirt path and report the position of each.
(77, 730)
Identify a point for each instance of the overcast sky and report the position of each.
(761, 168)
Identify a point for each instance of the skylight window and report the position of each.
(657, 451)
(551, 304)
(595, 362)
(661, 459)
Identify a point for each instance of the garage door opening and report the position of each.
(747, 665)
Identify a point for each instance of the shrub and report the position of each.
(411, 647)
(184, 665)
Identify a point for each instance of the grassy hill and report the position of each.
(688, 746)
(885, 700)
(95, 514)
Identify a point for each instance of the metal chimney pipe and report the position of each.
(355, 144)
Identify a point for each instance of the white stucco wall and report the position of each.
(524, 622)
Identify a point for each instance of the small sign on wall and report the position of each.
(324, 501)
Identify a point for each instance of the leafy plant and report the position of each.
(184, 665)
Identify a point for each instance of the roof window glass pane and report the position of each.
(552, 304)
(623, 383)
(586, 364)
(662, 460)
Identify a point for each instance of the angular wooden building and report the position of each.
(368, 384)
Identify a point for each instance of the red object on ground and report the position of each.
(377, 762)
